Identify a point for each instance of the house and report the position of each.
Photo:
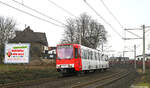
(37, 40)
(52, 53)
(140, 57)
(121, 60)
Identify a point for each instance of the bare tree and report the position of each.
(7, 31)
(92, 32)
(70, 32)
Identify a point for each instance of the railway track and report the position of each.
(99, 83)
(92, 80)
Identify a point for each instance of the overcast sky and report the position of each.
(130, 13)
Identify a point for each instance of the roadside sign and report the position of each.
(17, 53)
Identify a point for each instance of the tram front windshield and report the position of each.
(65, 52)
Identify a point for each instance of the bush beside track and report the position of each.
(18, 73)
(143, 79)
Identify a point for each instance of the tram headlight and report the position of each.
(58, 66)
(70, 65)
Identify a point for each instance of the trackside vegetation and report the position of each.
(144, 79)
(18, 73)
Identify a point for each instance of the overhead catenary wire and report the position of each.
(112, 14)
(39, 12)
(138, 46)
(121, 24)
(103, 19)
(62, 8)
(30, 14)
(146, 38)
(134, 34)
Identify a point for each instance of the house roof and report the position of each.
(28, 36)
(146, 55)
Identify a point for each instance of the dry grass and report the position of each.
(10, 67)
(15, 73)
(144, 79)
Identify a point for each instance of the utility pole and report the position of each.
(138, 37)
(135, 56)
(143, 27)
(125, 52)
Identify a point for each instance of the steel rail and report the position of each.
(112, 80)
(103, 80)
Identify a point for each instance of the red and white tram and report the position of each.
(77, 58)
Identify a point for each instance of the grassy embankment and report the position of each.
(17, 73)
(144, 80)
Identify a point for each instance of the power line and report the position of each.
(38, 12)
(133, 34)
(112, 14)
(30, 14)
(146, 38)
(62, 8)
(103, 18)
(115, 19)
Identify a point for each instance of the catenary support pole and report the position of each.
(143, 27)
(135, 56)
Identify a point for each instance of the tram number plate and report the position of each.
(64, 65)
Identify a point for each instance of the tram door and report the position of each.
(78, 57)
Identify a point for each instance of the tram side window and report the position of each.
(99, 56)
(82, 54)
(91, 55)
(76, 52)
(95, 56)
(85, 54)
(88, 55)
(79, 53)
(102, 57)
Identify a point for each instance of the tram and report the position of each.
(72, 58)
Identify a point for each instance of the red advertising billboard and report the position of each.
(17, 53)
